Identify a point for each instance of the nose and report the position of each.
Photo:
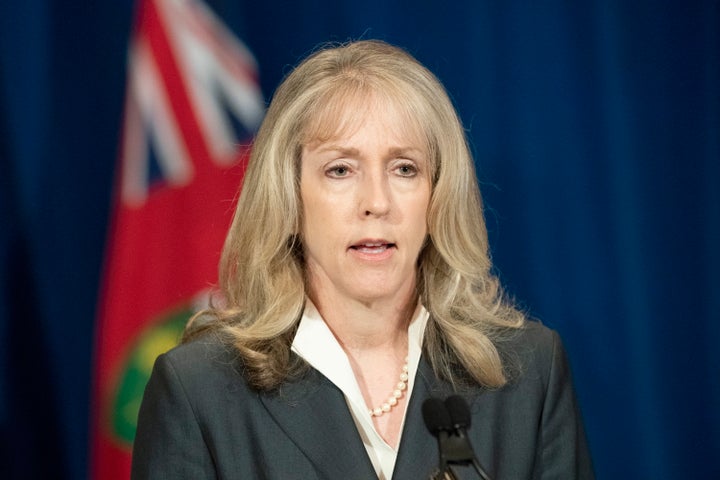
(375, 195)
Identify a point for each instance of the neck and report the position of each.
(368, 326)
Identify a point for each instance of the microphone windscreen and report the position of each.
(436, 416)
(458, 410)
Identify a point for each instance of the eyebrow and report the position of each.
(354, 152)
(344, 151)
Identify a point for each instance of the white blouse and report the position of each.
(315, 343)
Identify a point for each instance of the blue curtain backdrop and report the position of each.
(596, 130)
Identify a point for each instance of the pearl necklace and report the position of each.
(392, 400)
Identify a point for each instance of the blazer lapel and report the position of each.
(418, 455)
(313, 413)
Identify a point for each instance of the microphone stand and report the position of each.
(453, 444)
(458, 451)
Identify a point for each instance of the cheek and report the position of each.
(418, 219)
(316, 209)
(320, 220)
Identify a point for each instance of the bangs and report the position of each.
(341, 111)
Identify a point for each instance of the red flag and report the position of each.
(192, 99)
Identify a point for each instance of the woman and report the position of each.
(356, 284)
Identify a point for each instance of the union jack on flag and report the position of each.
(192, 105)
(192, 93)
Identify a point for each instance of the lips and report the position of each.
(375, 247)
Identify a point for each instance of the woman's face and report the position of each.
(365, 197)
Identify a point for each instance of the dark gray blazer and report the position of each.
(199, 419)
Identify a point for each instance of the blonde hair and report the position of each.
(262, 270)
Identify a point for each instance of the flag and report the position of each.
(192, 104)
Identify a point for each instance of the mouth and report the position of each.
(372, 247)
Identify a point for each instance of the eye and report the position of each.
(406, 169)
(338, 171)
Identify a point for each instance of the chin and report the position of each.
(370, 297)
(377, 290)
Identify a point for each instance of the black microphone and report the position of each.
(438, 422)
(460, 418)
(459, 413)
(436, 416)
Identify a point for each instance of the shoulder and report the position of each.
(533, 341)
(205, 351)
(208, 362)
(534, 420)
(195, 400)
(533, 354)
(544, 393)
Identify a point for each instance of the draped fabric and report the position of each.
(596, 131)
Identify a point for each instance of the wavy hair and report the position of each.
(262, 277)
